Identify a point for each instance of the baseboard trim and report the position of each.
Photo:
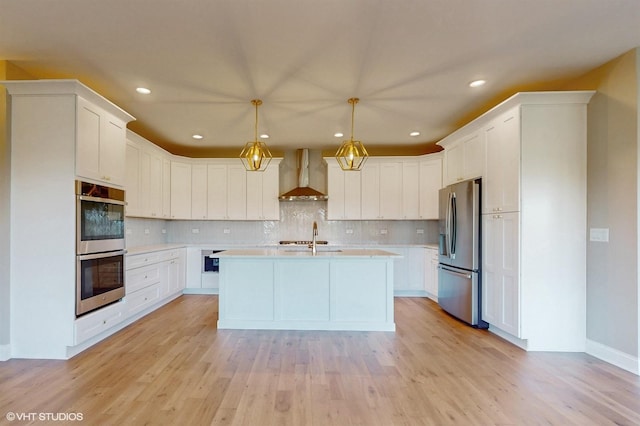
(5, 352)
(613, 356)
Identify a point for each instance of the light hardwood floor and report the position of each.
(175, 367)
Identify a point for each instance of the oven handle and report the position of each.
(101, 255)
(101, 200)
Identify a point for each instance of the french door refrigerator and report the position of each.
(459, 251)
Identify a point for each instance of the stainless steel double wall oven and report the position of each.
(100, 246)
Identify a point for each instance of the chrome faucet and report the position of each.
(314, 249)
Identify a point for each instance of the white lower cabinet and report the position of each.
(408, 271)
(500, 271)
(431, 273)
(92, 324)
(152, 279)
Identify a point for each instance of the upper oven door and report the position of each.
(100, 224)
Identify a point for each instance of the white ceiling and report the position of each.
(409, 61)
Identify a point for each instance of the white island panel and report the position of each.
(290, 290)
(251, 295)
(303, 291)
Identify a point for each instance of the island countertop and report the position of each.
(289, 252)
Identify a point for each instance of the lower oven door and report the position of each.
(100, 280)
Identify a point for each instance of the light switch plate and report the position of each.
(195, 231)
(599, 234)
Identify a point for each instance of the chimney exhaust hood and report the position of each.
(303, 192)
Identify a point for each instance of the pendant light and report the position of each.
(256, 155)
(352, 154)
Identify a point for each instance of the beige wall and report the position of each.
(612, 191)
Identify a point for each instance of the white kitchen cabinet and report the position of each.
(166, 188)
(464, 158)
(180, 190)
(501, 182)
(344, 192)
(408, 271)
(410, 190)
(155, 184)
(132, 180)
(500, 271)
(382, 190)
(100, 145)
(199, 191)
(262, 193)
(534, 221)
(147, 182)
(430, 184)
(46, 158)
(431, 273)
(227, 191)
(154, 278)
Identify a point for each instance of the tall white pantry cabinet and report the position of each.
(60, 131)
(534, 218)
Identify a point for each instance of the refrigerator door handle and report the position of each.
(447, 228)
(453, 225)
(454, 272)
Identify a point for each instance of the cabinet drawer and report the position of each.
(142, 277)
(139, 260)
(92, 324)
(168, 255)
(140, 300)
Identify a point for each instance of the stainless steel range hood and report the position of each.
(303, 192)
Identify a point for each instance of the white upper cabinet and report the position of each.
(132, 179)
(464, 158)
(100, 145)
(430, 184)
(410, 190)
(180, 190)
(227, 190)
(382, 190)
(501, 182)
(262, 193)
(387, 188)
(199, 191)
(344, 193)
(148, 179)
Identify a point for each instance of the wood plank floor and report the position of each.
(175, 367)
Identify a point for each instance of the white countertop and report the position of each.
(228, 247)
(289, 252)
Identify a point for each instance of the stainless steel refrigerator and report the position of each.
(459, 290)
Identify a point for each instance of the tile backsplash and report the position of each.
(296, 221)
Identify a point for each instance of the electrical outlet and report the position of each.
(226, 230)
(383, 232)
(419, 231)
(599, 234)
(349, 231)
(146, 231)
(129, 231)
(195, 231)
(164, 231)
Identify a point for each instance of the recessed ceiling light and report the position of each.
(196, 136)
(338, 135)
(414, 134)
(477, 83)
(264, 136)
(143, 90)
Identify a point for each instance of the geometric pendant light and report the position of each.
(352, 154)
(255, 155)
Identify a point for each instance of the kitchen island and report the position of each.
(292, 289)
